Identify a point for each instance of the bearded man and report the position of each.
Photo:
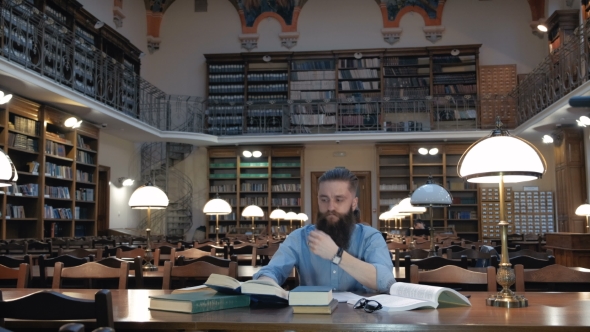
(336, 251)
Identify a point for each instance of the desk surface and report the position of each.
(546, 312)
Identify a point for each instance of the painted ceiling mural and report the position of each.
(394, 10)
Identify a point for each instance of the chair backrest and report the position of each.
(454, 275)
(38, 247)
(529, 252)
(131, 253)
(266, 253)
(67, 260)
(12, 262)
(453, 248)
(432, 263)
(550, 274)
(192, 253)
(13, 248)
(92, 254)
(499, 248)
(58, 242)
(135, 265)
(108, 251)
(531, 262)
(79, 243)
(392, 245)
(103, 242)
(21, 275)
(416, 253)
(468, 253)
(248, 250)
(51, 305)
(91, 270)
(164, 253)
(200, 268)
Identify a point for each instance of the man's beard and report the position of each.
(341, 230)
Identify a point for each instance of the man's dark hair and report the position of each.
(341, 174)
(418, 221)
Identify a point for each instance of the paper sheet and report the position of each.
(346, 297)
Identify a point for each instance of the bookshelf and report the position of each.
(401, 169)
(342, 90)
(43, 202)
(272, 180)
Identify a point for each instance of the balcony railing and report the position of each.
(42, 45)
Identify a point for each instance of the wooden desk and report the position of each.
(546, 312)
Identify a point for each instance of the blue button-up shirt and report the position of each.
(366, 244)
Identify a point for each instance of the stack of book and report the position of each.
(312, 300)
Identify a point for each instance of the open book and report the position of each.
(404, 296)
(259, 290)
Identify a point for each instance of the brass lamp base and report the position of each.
(148, 266)
(511, 301)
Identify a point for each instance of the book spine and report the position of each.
(220, 303)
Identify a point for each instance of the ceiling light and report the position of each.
(4, 98)
(126, 182)
(541, 25)
(247, 154)
(256, 154)
(423, 151)
(433, 151)
(98, 24)
(583, 121)
(547, 139)
(72, 122)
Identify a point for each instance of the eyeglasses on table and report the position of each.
(368, 305)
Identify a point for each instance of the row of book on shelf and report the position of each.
(55, 149)
(23, 142)
(27, 126)
(50, 212)
(224, 292)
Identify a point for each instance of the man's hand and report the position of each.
(322, 244)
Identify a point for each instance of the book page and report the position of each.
(429, 293)
(346, 297)
(398, 303)
(264, 287)
(223, 281)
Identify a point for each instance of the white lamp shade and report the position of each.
(387, 215)
(256, 154)
(4, 98)
(277, 214)
(252, 211)
(302, 216)
(396, 211)
(7, 170)
(516, 159)
(431, 194)
(148, 197)
(291, 216)
(406, 207)
(72, 122)
(217, 206)
(583, 210)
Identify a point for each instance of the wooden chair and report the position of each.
(90, 270)
(472, 255)
(499, 248)
(130, 253)
(108, 251)
(80, 243)
(136, 265)
(103, 243)
(552, 276)
(454, 275)
(245, 253)
(531, 253)
(14, 248)
(39, 248)
(265, 253)
(531, 262)
(21, 275)
(92, 254)
(432, 263)
(200, 268)
(454, 248)
(51, 305)
(58, 242)
(165, 252)
(191, 253)
(67, 260)
(392, 245)
(13, 263)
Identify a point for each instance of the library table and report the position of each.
(546, 312)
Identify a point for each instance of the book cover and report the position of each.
(196, 302)
(310, 295)
(316, 309)
(259, 290)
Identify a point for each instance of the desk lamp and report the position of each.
(584, 210)
(302, 217)
(431, 195)
(278, 214)
(502, 158)
(217, 206)
(405, 206)
(252, 211)
(291, 216)
(148, 197)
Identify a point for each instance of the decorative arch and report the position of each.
(392, 12)
(154, 10)
(252, 12)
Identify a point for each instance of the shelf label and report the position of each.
(18, 194)
(35, 173)
(60, 177)
(47, 174)
(7, 217)
(46, 196)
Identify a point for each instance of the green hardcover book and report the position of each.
(193, 303)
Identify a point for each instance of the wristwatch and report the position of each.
(338, 257)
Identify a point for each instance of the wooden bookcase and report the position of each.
(54, 184)
(270, 181)
(357, 79)
(401, 169)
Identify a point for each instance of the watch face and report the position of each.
(336, 260)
